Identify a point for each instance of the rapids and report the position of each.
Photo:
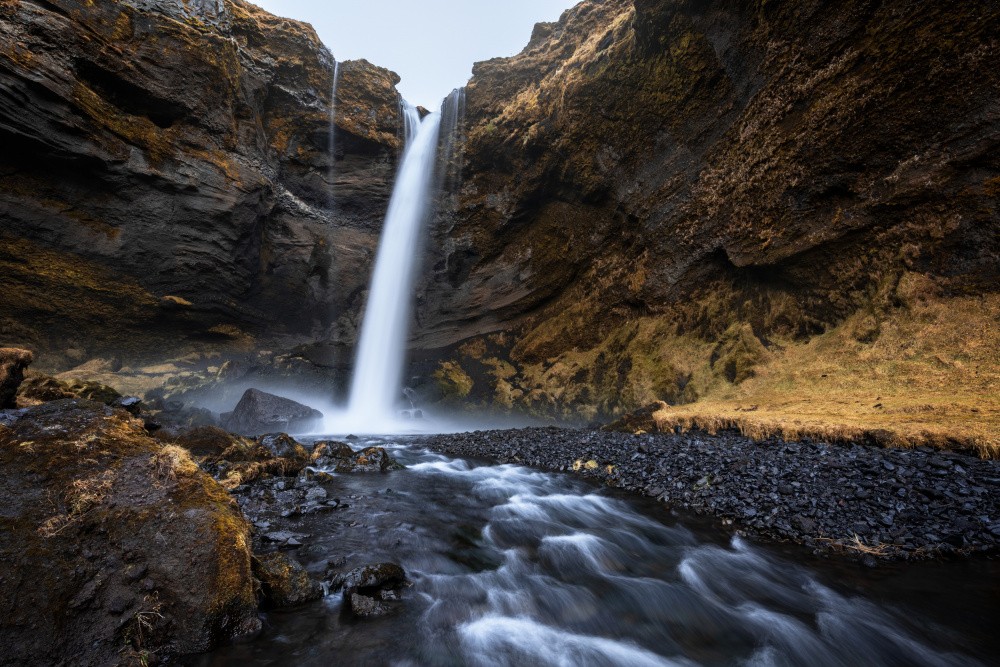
(513, 566)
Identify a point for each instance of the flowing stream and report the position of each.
(513, 566)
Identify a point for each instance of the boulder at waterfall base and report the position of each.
(259, 412)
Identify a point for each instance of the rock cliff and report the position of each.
(166, 178)
(661, 199)
(722, 204)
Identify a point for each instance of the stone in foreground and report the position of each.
(110, 537)
(284, 582)
(364, 587)
(258, 413)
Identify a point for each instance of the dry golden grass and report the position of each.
(927, 373)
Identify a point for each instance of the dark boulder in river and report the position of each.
(284, 582)
(259, 412)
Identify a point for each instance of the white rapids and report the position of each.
(517, 567)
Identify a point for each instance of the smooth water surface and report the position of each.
(512, 566)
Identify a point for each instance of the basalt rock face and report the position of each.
(710, 173)
(166, 176)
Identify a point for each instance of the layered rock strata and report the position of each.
(661, 197)
(166, 181)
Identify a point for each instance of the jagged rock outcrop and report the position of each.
(166, 179)
(660, 196)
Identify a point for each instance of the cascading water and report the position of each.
(378, 371)
(333, 117)
(453, 141)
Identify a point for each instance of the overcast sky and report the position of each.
(430, 43)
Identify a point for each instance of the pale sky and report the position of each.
(431, 44)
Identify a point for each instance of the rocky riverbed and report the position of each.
(874, 502)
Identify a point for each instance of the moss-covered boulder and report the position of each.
(284, 582)
(372, 459)
(113, 543)
(249, 459)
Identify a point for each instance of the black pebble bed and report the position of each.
(873, 502)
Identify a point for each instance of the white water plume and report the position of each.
(378, 371)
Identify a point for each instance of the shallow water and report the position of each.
(513, 566)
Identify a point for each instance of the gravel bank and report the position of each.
(879, 503)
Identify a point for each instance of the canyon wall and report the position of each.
(743, 203)
(661, 197)
(166, 183)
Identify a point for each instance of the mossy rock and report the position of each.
(114, 540)
(283, 581)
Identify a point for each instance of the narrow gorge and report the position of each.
(687, 314)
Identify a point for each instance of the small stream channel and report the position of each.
(513, 566)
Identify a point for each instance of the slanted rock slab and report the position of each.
(258, 413)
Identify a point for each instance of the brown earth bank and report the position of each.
(787, 207)
(166, 185)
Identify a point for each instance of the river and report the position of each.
(514, 566)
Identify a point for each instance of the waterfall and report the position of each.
(331, 142)
(453, 141)
(378, 371)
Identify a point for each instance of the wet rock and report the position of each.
(316, 495)
(364, 586)
(143, 512)
(331, 449)
(259, 412)
(364, 606)
(281, 446)
(13, 363)
(284, 582)
(803, 524)
(371, 576)
(373, 459)
(247, 460)
(283, 536)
